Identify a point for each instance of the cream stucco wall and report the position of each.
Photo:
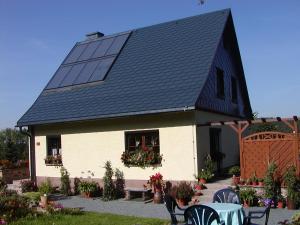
(229, 139)
(87, 145)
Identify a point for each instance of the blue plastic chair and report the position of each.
(258, 214)
(201, 215)
(226, 196)
(171, 205)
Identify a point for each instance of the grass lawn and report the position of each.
(90, 219)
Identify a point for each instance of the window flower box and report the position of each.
(53, 160)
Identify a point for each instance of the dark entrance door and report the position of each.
(215, 147)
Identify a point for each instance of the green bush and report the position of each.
(109, 188)
(291, 182)
(119, 183)
(65, 183)
(271, 182)
(76, 186)
(13, 206)
(34, 197)
(2, 185)
(46, 187)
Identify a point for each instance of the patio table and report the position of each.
(231, 214)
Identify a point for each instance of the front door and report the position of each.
(215, 147)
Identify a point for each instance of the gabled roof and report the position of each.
(161, 68)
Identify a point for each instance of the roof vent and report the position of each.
(94, 35)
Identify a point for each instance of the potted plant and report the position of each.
(260, 182)
(290, 180)
(247, 196)
(45, 189)
(87, 189)
(184, 193)
(156, 181)
(280, 202)
(235, 173)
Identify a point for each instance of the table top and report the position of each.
(224, 206)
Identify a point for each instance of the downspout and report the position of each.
(31, 151)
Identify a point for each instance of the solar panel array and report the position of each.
(88, 61)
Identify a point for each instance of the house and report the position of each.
(139, 95)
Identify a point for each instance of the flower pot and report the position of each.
(260, 183)
(235, 180)
(157, 199)
(44, 201)
(280, 205)
(182, 202)
(202, 181)
(246, 204)
(291, 204)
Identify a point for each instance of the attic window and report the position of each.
(220, 84)
(233, 90)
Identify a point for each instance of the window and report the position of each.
(142, 148)
(53, 150)
(220, 83)
(233, 90)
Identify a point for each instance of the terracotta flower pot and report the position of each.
(44, 201)
(182, 202)
(246, 204)
(157, 199)
(280, 205)
(202, 181)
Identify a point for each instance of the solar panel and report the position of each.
(87, 72)
(104, 46)
(88, 61)
(75, 53)
(102, 69)
(72, 75)
(58, 77)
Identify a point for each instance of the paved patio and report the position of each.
(135, 208)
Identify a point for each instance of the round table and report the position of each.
(231, 214)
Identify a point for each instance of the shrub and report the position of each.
(119, 183)
(184, 191)
(65, 186)
(13, 206)
(28, 186)
(291, 181)
(76, 186)
(33, 197)
(271, 182)
(2, 185)
(46, 188)
(109, 188)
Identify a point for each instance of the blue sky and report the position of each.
(35, 36)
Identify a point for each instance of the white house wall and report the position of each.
(87, 145)
(229, 139)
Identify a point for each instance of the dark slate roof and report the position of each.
(161, 68)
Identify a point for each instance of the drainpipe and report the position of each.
(31, 151)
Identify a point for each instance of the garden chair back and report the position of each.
(171, 206)
(201, 215)
(258, 214)
(226, 196)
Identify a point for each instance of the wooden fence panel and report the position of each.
(258, 150)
